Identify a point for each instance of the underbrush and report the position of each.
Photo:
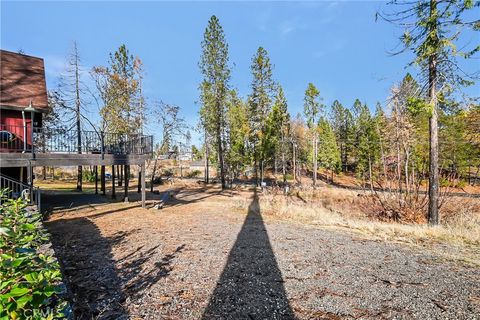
(331, 207)
(30, 281)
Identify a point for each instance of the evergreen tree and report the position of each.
(238, 131)
(432, 31)
(312, 109)
(329, 153)
(214, 87)
(380, 122)
(368, 144)
(278, 126)
(343, 127)
(259, 105)
(119, 85)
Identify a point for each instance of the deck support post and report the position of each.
(96, 179)
(113, 182)
(119, 175)
(30, 174)
(142, 178)
(102, 180)
(126, 175)
(140, 175)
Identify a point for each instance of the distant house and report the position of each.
(197, 165)
(185, 156)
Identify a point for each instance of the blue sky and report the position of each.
(336, 45)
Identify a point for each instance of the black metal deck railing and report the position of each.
(41, 140)
(15, 189)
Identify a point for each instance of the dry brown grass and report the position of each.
(458, 237)
(328, 207)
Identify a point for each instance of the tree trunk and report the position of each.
(261, 171)
(206, 156)
(433, 186)
(294, 164)
(102, 180)
(407, 182)
(220, 157)
(114, 196)
(315, 159)
(275, 164)
(370, 175)
(476, 176)
(154, 169)
(469, 173)
(284, 172)
(139, 187)
(96, 179)
(125, 183)
(255, 167)
(119, 176)
(77, 110)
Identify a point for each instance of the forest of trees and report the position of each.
(424, 136)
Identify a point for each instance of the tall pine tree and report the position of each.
(214, 87)
(259, 106)
(312, 109)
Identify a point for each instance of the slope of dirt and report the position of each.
(200, 258)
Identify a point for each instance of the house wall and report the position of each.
(12, 121)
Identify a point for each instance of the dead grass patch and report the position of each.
(458, 237)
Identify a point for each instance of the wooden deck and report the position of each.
(69, 159)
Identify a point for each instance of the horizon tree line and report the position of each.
(385, 149)
(381, 148)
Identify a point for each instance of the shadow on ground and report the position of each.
(97, 285)
(251, 284)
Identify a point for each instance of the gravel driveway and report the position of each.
(201, 258)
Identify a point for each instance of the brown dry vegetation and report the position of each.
(351, 210)
(122, 261)
(458, 236)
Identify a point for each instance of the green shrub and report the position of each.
(167, 172)
(89, 176)
(30, 282)
(194, 174)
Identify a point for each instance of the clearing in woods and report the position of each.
(204, 256)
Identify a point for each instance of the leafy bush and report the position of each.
(30, 282)
(89, 176)
(167, 173)
(194, 174)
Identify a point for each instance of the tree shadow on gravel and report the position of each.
(97, 284)
(251, 284)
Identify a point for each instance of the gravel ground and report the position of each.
(201, 258)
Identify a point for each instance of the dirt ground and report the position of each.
(205, 257)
